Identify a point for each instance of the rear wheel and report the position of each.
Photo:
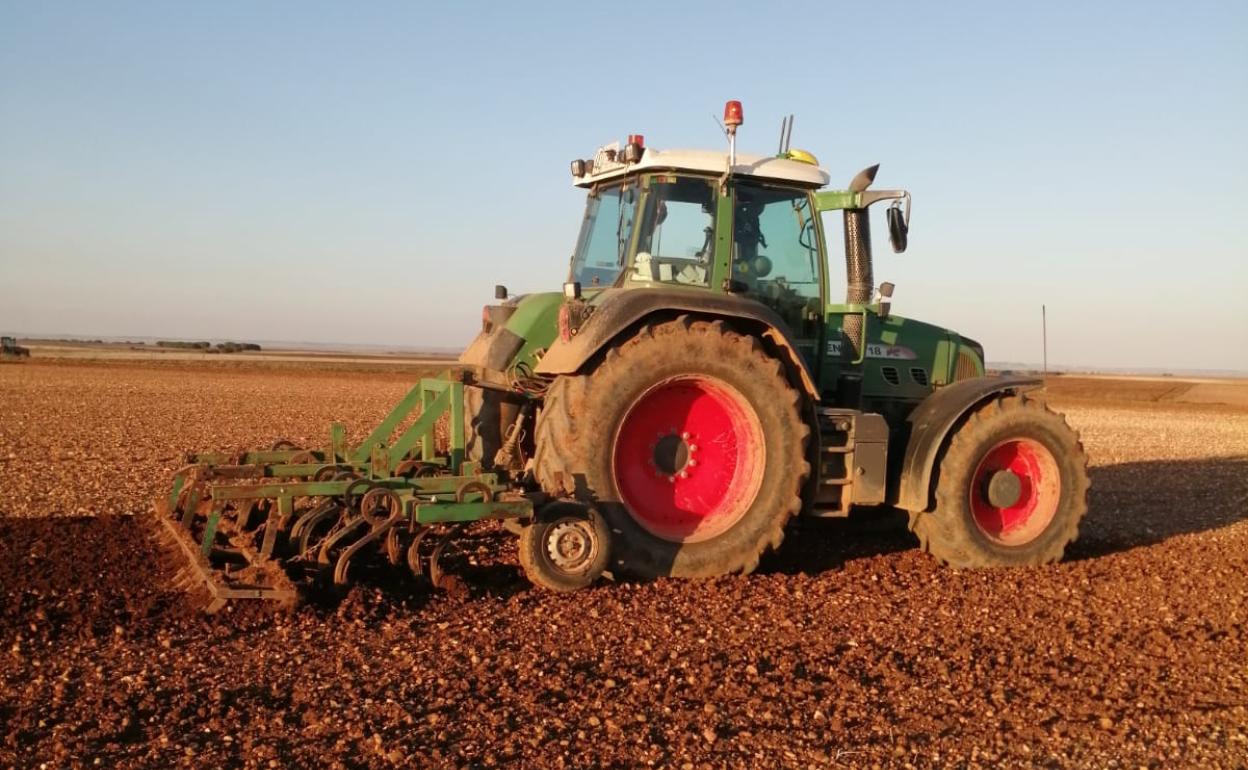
(1012, 489)
(689, 439)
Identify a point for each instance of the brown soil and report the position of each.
(849, 649)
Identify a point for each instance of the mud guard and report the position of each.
(621, 309)
(931, 423)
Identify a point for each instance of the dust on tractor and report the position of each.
(693, 388)
(11, 351)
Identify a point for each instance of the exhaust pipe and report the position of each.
(860, 285)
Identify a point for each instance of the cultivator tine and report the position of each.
(394, 546)
(374, 534)
(308, 520)
(342, 534)
(414, 562)
(438, 576)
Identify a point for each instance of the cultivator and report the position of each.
(267, 524)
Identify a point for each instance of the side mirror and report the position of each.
(898, 229)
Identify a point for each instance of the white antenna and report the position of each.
(1044, 332)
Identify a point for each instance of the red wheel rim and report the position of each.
(1015, 491)
(688, 458)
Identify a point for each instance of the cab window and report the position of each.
(676, 241)
(776, 254)
(605, 234)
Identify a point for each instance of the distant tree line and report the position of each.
(222, 347)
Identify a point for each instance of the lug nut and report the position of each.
(685, 435)
(692, 462)
(693, 447)
(684, 474)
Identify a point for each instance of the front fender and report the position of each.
(616, 310)
(931, 423)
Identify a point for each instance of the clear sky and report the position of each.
(366, 172)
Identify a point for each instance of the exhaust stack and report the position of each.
(859, 287)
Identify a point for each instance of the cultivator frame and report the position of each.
(253, 524)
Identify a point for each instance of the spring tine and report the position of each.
(337, 537)
(296, 530)
(344, 561)
(437, 575)
(394, 547)
(413, 552)
(306, 546)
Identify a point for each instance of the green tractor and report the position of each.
(698, 384)
(694, 387)
(11, 351)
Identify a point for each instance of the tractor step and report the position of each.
(853, 461)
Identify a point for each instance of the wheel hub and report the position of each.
(672, 454)
(570, 545)
(1004, 489)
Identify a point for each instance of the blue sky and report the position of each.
(365, 173)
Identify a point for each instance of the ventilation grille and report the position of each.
(919, 375)
(891, 376)
(967, 368)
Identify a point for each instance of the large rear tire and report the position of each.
(689, 439)
(1012, 489)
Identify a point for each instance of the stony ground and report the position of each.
(850, 649)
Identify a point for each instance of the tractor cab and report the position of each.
(675, 219)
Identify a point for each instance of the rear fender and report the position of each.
(616, 312)
(933, 421)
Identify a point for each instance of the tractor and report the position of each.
(697, 384)
(11, 351)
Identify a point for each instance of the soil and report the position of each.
(849, 648)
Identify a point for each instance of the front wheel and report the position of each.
(1012, 489)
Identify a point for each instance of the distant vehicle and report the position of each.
(11, 351)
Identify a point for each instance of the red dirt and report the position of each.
(850, 649)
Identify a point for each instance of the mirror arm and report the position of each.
(875, 196)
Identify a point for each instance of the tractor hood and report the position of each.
(906, 359)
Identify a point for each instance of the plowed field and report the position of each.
(848, 649)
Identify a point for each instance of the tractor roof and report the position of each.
(705, 161)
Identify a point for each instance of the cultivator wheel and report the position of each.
(566, 547)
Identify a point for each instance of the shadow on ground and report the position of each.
(1142, 503)
(1130, 505)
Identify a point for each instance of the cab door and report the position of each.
(778, 260)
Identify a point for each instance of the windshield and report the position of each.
(605, 234)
